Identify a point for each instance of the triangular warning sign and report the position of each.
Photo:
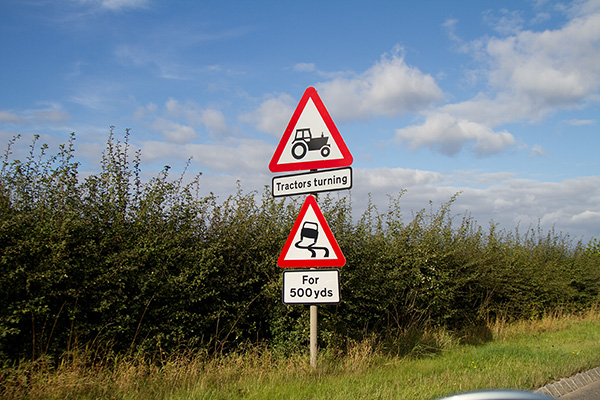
(311, 139)
(311, 242)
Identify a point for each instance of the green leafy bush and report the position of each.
(116, 265)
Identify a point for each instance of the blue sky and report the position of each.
(496, 100)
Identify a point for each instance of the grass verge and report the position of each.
(523, 355)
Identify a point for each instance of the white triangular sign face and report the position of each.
(297, 149)
(311, 242)
(311, 139)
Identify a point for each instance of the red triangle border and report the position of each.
(338, 261)
(275, 166)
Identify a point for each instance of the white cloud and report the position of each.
(215, 122)
(119, 4)
(395, 178)
(236, 155)
(389, 88)
(447, 134)
(52, 114)
(476, 178)
(99, 95)
(587, 216)
(130, 56)
(549, 70)
(471, 47)
(572, 205)
(583, 7)
(541, 17)
(559, 204)
(142, 111)
(211, 119)
(10, 117)
(537, 151)
(305, 67)
(116, 5)
(174, 132)
(530, 75)
(163, 62)
(272, 116)
(504, 22)
(580, 122)
(181, 122)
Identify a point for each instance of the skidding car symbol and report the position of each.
(310, 231)
(303, 142)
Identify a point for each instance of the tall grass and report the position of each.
(523, 355)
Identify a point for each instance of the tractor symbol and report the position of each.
(303, 142)
(308, 238)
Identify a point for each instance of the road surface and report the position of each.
(588, 392)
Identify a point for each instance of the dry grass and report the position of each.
(557, 320)
(522, 354)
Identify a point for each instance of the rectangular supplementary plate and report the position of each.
(312, 182)
(311, 287)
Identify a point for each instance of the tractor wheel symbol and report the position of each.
(299, 150)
